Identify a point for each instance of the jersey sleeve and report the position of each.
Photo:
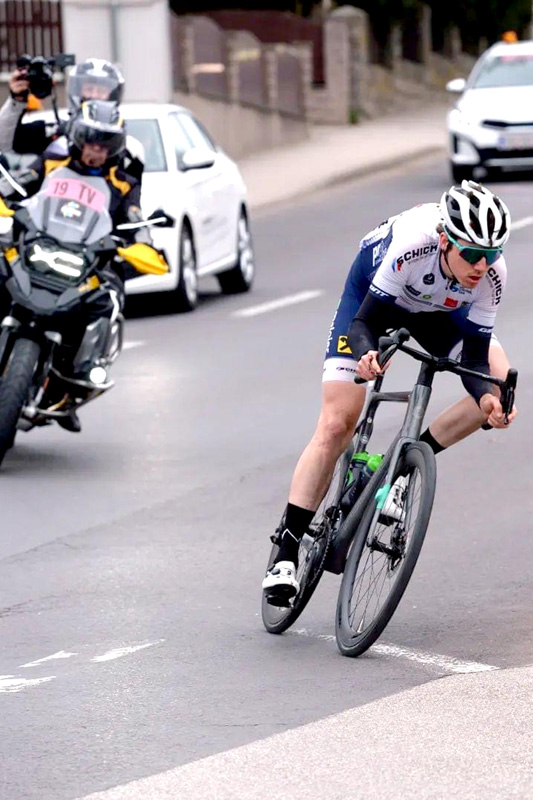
(394, 270)
(482, 312)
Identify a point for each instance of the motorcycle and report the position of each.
(56, 254)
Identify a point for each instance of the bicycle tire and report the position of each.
(352, 638)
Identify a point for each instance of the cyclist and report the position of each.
(437, 270)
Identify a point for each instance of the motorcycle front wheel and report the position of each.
(15, 385)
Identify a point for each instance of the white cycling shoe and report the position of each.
(280, 584)
(393, 510)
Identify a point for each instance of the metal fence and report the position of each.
(249, 59)
(29, 26)
(210, 59)
(290, 95)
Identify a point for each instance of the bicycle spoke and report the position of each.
(379, 571)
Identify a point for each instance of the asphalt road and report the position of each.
(133, 553)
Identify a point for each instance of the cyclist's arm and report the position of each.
(10, 115)
(479, 324)
(475, 355)
(376, 314)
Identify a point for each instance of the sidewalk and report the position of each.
(334, 154)
(466, 737)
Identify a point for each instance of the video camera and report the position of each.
(40, 71)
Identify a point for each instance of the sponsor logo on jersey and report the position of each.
(451, 303)
(343, 346)
(419, 252)
(332, 327)
(456, 287)
(427, 296)
(378, 292)
(496, 284)
(428, 279)
(412, 291)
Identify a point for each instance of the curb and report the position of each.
(351, 173)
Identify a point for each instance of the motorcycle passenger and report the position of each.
(437, 270)
(93, 79)
(97, 139)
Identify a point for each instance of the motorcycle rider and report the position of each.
(96, 142)
(92, 79)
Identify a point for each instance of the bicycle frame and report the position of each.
(417, 402)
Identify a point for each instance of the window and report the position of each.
(196, 133)
(148, 133)
(182, 142)
(507, 70)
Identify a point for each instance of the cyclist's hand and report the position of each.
(491, 406)
(368, 366)
(19, 85)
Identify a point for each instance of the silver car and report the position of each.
(491, 125)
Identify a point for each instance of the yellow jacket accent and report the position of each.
(92, 283)
(33, 103)
(4, 210)
(144, 258)
(11, 254)
(123, 186)
(51, 164)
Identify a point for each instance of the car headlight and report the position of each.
(61, 261)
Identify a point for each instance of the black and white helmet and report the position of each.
(474, 213)
(94, 79)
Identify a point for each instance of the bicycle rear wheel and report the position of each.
(383, 555)
(311, 558)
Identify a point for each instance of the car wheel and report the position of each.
(240, 277)
(186, 292)
(461, 173)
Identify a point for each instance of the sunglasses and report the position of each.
(472, 255)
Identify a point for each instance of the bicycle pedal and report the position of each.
(281, 596)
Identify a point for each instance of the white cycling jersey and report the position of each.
(405, 251)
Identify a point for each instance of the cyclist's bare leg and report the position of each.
(342, 403)
(465, 416)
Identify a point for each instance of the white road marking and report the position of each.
(119, 652)
(521, 223)
(132, 345)
(10, 683)
(282, 302)
(445, 663)
(60, 654)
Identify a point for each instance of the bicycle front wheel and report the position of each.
(384, 553)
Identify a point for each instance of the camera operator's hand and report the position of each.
(19, 85)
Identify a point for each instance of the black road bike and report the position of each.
(375, 552)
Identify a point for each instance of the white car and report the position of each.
(194, 181)
(491, 125)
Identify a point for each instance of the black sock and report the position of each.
(295, 524)
(429, 439)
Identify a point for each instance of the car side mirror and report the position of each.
(160, 219)
(197, 158)
(456, 86)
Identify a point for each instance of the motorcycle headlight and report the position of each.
(47, 259)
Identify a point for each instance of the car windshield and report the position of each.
(510, 70)
(149, 135)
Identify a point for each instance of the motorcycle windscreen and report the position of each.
(72, 208)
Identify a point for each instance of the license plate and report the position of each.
(516, 141)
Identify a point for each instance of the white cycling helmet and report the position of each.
(474, 213)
